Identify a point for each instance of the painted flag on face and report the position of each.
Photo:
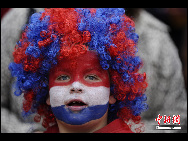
(81, 94)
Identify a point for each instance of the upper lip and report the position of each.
(76, 101)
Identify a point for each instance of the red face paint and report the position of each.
(86, 69)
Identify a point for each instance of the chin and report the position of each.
(87, 127)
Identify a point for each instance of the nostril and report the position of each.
(72, 90)
(80, 90)
(76, 90)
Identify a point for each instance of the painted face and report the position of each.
(79, 93)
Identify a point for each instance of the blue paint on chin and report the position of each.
(78, 118)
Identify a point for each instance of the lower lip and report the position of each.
(76, 108)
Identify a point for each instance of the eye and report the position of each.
(64, 78)
(92, 77)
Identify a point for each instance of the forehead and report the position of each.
(89, 60)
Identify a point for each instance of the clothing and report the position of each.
(116, 126)
(52, 129)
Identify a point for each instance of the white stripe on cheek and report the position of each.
(90, 95)
(57, 95)
(97, 95)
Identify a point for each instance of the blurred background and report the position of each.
(176, 19)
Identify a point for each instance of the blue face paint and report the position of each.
(78, 118)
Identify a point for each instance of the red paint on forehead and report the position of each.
(77, 68)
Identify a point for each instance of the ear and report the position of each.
(48, 100)
(112, 100)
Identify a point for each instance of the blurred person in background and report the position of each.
(166, 91)
(4, 11)
(176, 19)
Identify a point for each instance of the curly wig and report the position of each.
(68, 32)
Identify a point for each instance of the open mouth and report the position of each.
(76, 105)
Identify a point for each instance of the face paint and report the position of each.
(79, 108)
(86, 65)
(79, 95)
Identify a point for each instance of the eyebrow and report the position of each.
(62, 70)
(92, 68)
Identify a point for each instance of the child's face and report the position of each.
(79, 93)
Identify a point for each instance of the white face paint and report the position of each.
(61, 95)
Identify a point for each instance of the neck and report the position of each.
(88, 127)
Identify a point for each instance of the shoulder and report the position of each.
(147, 20)
(116, 126)
(52, 129)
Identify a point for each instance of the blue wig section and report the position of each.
(98, 27)
(35, 26)
(17, 71)
(36, 81)
(137, 106)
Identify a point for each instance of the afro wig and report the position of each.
(68, 32)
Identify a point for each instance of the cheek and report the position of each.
(58, 95)
(91, 95)
(97, 95)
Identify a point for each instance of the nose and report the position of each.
(76, 88)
